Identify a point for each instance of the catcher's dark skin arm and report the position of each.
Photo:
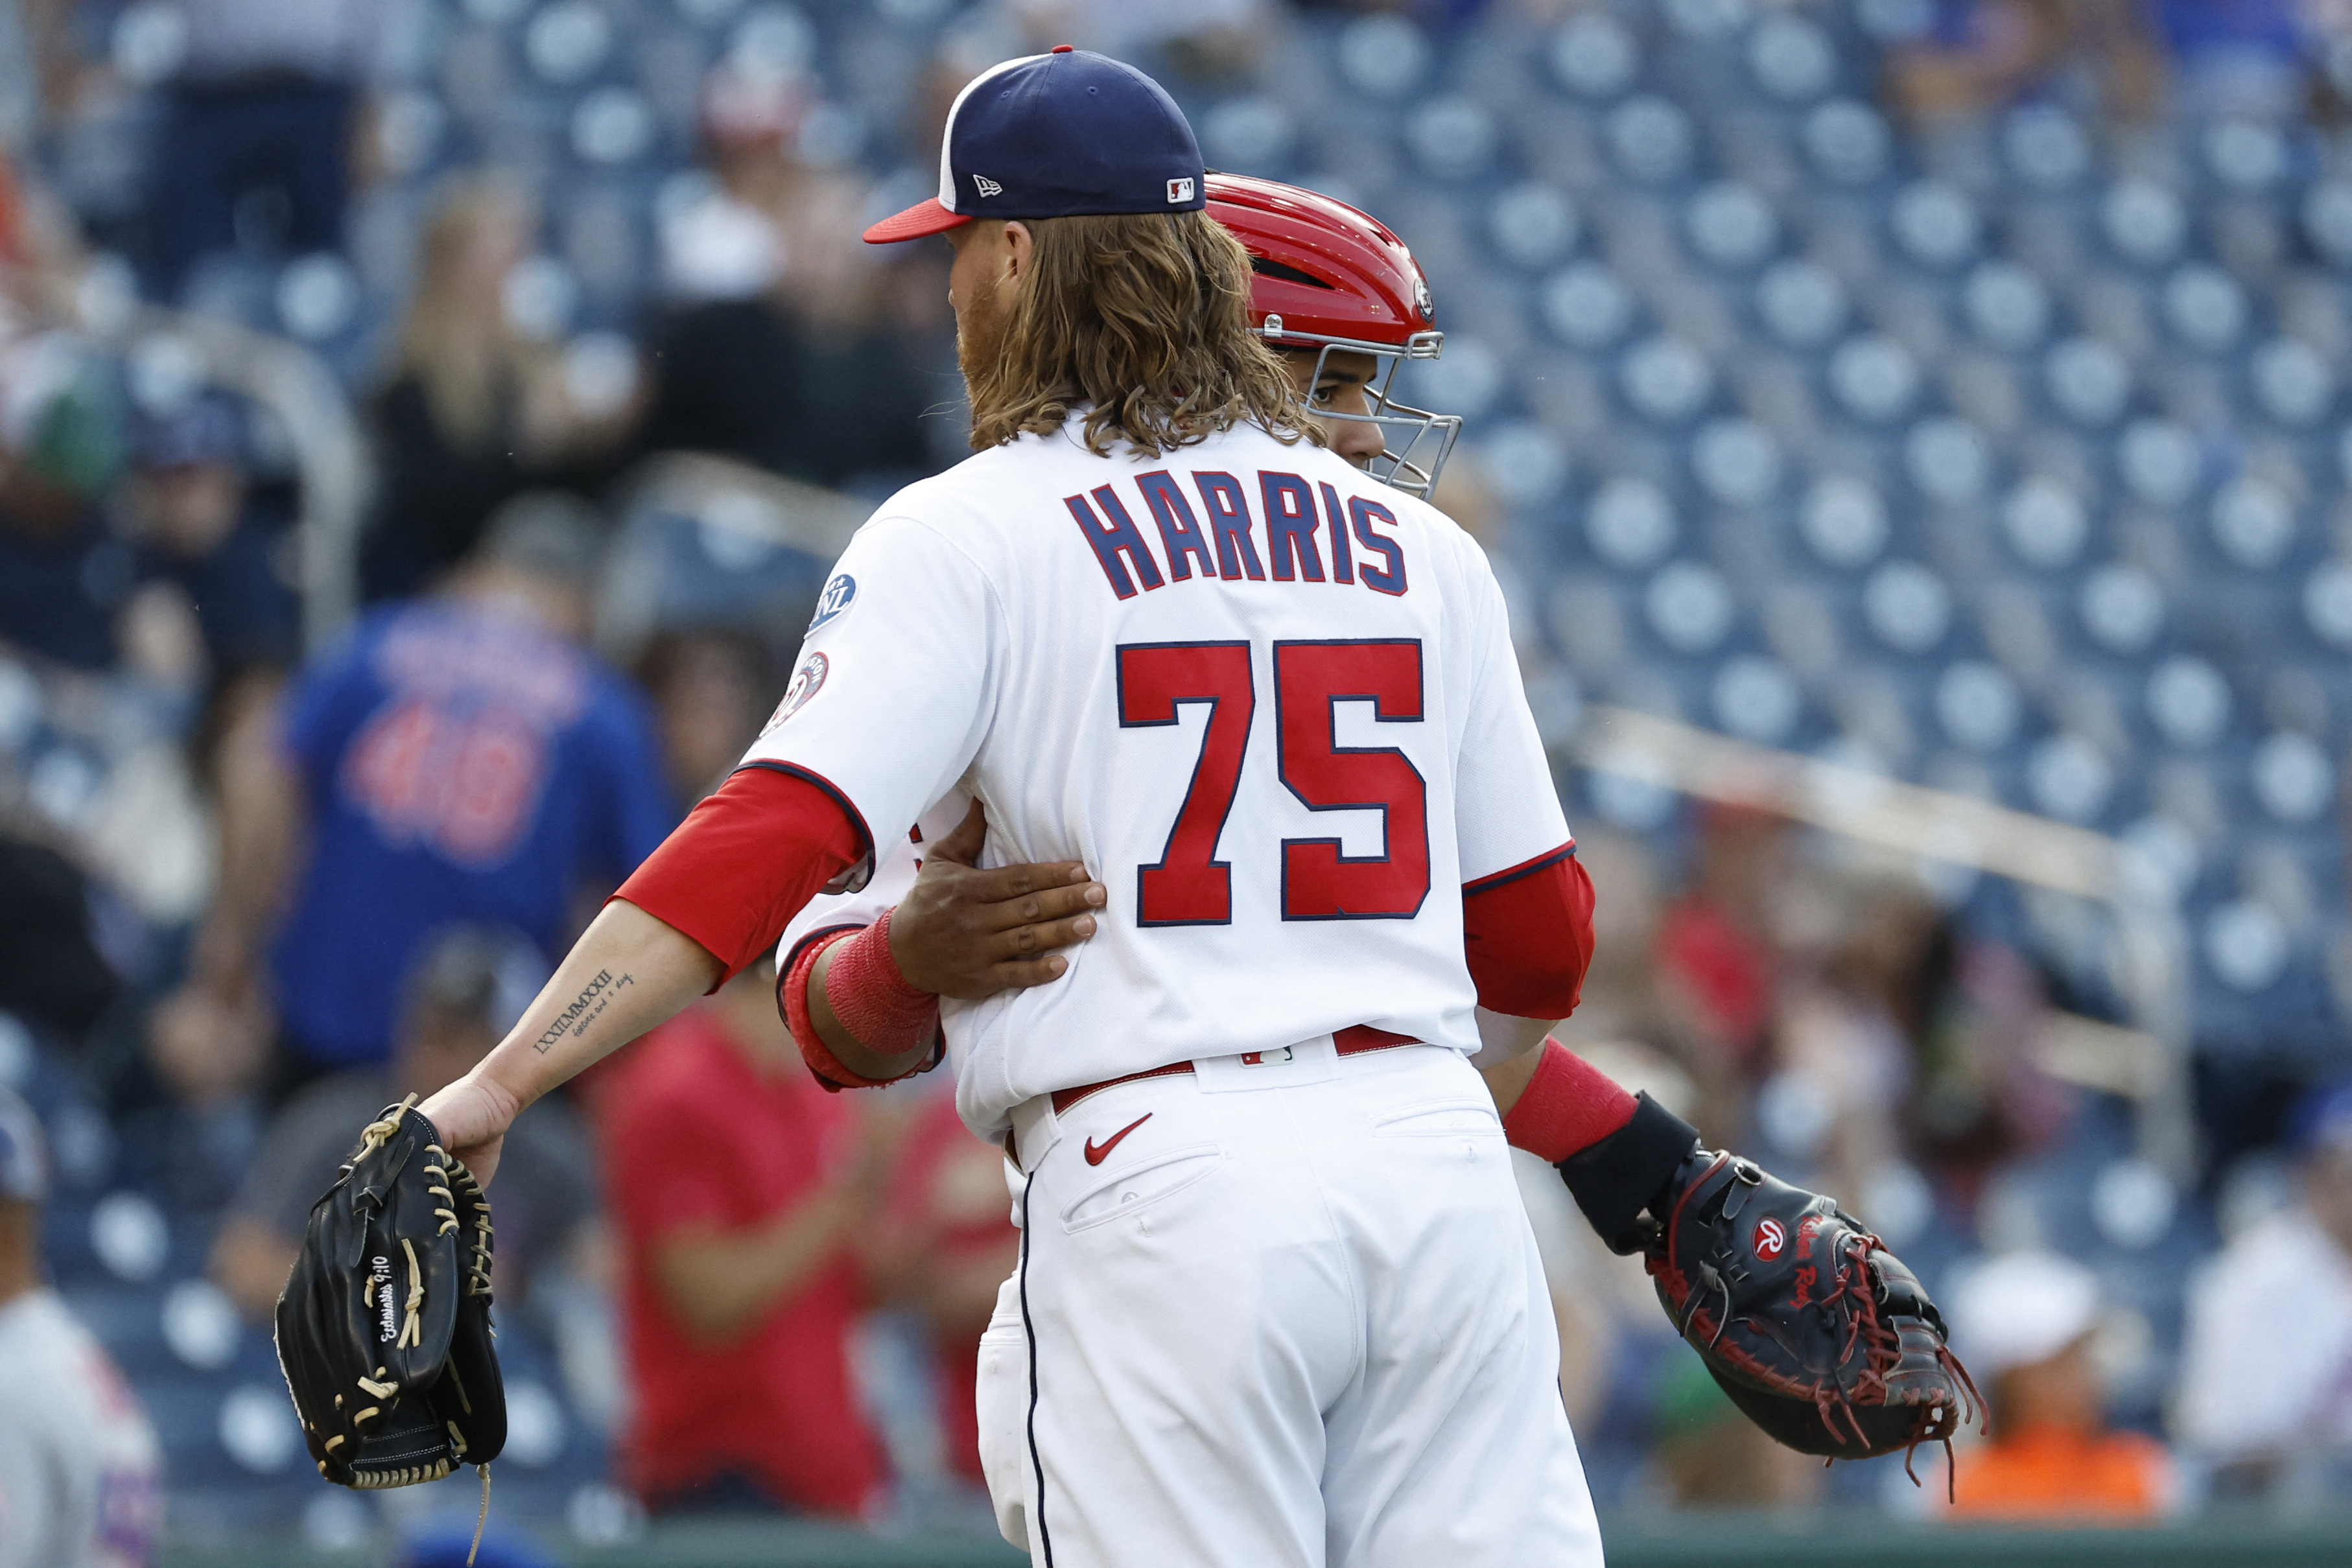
(964, 932)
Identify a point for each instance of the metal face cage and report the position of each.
(1427, 438)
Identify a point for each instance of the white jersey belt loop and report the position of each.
(1035, 1130)
(1036, 1120)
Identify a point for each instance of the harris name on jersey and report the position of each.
(1304, 529)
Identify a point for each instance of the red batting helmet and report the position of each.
(1329, 278)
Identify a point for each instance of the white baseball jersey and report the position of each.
(1271, 702)
(80, 1475)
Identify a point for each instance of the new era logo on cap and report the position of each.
(1060, 134)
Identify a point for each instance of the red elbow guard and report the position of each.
(1568, 1106)
(1527, 934)
(868, 995)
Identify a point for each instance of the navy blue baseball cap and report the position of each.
(202, 431)
(1054, 136)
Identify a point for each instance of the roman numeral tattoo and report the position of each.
(585, 1009)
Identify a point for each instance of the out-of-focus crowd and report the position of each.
(1835, 1017)
(254, 886)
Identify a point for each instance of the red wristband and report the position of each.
(870, 997)
(873, 999)
(1569, 1104)
(792, 1000)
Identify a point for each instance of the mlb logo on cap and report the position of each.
(1054, 136)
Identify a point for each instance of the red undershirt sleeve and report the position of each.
(744, 862)
(1527, 932)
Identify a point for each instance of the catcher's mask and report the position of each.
(1329, 278)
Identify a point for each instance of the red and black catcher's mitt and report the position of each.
(1816, 1330)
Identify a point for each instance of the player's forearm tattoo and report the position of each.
(586, 1008)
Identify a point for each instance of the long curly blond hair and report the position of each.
(1142, 320)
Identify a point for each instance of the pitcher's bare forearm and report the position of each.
(627, 974)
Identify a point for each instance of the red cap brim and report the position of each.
(922, 218)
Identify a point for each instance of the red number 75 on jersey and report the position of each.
(1188, 885)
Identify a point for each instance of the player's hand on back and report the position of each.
(967, 933)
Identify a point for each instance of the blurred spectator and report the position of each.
(1717, 951)
(12, 195)
(254, 150)
(464, 996)
(474, 411)
(81, 1482)
(1620, 985)
(1712, 1456)
(1911, 1045)
(738, 1184)
(2265, 1395)
(711, 689)
(63, 579)
(1205, 42)
(20, 87)
(786, 347)
(944, 1244)
(1628, 1008)
(1981, 56)
(186, 505)
(63, 574)
(52, 974)
(2026, 1324)
(459, 758)
(2237, 56)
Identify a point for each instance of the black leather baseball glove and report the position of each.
(384, 1329)
(1819, 1333)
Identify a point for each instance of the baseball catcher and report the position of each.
(1819, 1333)
(383, 1331)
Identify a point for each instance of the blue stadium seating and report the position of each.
(2025, 435)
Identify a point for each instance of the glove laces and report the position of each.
(481, 1518)
(381, 1131)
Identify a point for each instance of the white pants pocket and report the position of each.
(1000, 1395)
(1446, 1119)
(1128, 1193)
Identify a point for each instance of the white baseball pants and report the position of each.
(1284, 1315)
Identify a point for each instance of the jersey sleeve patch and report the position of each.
(840, 593)
(806, 682)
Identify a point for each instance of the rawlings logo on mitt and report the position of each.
(1815, 1329)
(383, 1328)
